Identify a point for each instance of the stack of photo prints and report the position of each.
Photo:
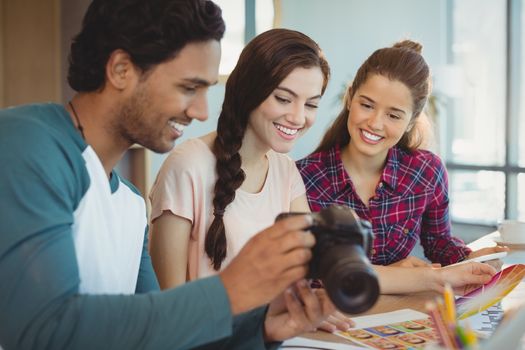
(415, 334)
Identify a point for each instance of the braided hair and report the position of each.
(263, 64)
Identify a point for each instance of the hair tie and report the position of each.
(219, 213)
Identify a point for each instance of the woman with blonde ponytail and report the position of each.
(370, 160)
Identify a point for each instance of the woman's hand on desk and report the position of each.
(299, 310)
(463, 277)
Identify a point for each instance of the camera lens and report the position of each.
(339, 258)
(349, 279)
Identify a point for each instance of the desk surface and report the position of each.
(417, 301)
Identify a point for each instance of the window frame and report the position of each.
(250, 24)
(510, 168)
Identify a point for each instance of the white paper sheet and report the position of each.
(485, 322)
(361, 322)
(300, 343)
(387, 318)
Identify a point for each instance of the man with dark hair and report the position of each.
(74, 265)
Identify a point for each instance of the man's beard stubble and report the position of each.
(134, 126)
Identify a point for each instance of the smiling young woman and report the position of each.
(370, 160)
(215, 192)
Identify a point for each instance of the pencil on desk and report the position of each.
(462, 337)
(451, 334)
(439, 324)
(450, 305)
(444, 319)
(449, 315)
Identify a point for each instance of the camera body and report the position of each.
(339, 258)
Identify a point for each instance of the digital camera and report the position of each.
(339, 258)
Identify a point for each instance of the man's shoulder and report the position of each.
(128, 184)
(131, 193)
(37, 125)
(30, 113)
(37, 143)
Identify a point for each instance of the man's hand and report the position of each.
(298, 310)
(336, 321)
(270, 262)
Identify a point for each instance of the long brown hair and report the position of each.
(401, 62)
(263, 64)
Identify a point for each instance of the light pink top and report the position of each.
(185, 185)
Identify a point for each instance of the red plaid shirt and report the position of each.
(410, 203)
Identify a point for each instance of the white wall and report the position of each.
(348, 31)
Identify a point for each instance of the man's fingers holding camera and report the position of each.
(313, 304)
(291, 275)
(292, 223)
(281, 271)
(333, 319)
(295, 240)
(298, 315)
(296, 257)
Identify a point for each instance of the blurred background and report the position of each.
(475, 49)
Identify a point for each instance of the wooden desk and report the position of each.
(416, 301)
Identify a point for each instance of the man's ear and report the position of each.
(120, 70)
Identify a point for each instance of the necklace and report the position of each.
(79, 126)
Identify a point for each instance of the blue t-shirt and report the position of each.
(74, 268)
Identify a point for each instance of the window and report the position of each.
(483, 115)
(477, 196)
(521, 197)
(245, 19)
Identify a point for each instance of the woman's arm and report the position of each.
(398, 280)
(436, 237)
(170, 235)
(300, 204)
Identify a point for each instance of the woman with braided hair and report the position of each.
(222, 188)
(215, 192)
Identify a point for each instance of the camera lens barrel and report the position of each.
(349, 279)
(340, 258)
